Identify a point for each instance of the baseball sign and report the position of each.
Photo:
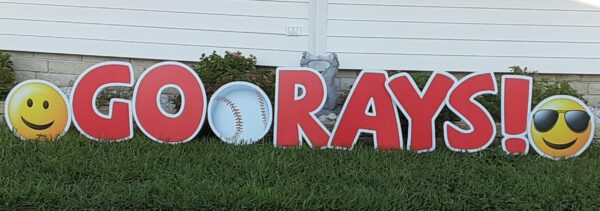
(240, 113)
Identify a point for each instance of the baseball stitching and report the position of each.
(237, 113)
(263, 108)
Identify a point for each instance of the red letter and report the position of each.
(516, 105)
(159, 125)
(421, 108)
(369, 108)
(462, 102)
(118, 124)
(300, 93)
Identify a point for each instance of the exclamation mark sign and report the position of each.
(516, 106)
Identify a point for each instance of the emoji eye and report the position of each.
(544, 120)
(29, 103)
(46, 104)
(578, 121)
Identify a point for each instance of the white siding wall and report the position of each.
(558, 36)
(157, 29)
(561, 36)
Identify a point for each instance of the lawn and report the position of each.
(76, 173)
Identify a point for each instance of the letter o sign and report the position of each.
(159, 125)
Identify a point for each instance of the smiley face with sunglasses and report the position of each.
(561, 127)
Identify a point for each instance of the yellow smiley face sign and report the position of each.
(561, 127)
(37, 110)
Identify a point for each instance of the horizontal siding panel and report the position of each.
(151, 35)
(552, 36)
(503, 4)
(462, 15)
(289, 9)
(475, 48)
(154, 29)
(462, 35)
(462, 31)
(469, 64)
(149, 19)
(136, 50)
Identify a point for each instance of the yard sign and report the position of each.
(559, 127)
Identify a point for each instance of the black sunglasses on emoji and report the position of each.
(577, 121)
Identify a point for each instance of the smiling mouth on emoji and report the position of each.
(559, 146)
(36, 126)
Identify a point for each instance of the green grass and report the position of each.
(75, 173)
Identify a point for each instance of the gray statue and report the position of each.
(328, 66)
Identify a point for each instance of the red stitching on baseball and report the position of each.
(263, 109)
(237, 114)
